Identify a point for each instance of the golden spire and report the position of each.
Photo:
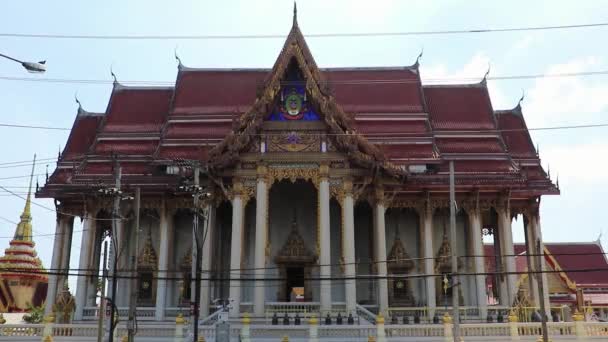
(24, 228)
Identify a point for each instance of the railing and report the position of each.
(485, 329)
(366, 314)
(172, 312)
(211, 319)
(596, 328)
(558, 331)
(21, 329)
(418, 330)
(467, 313)
(147, 313)
(303, 309)
(346, 331)
(75, 330)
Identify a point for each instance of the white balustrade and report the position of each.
(595, 331)
(414, 330)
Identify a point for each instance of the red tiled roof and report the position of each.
(216, 91)
(479, 166)
(137, 110)
(82, 134)
(356, 91)
(411, 151)
(134, 147)
(380, 126)
(469, 145)
(515, 133)
(570, 257)
(578, 256)
(197, 130)
(459, 107)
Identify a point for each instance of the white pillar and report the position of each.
(380, 253)
(206, 262)
(530, 252)
(261, 239)
(55, 264)
(508, 252)
(348, 244)
(163, 262)
(85, 252)
(66, 251)
(324, 241)
(478, 261)
(236, 249)
(543, 276)
(426, 235)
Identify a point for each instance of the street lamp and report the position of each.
(33, 67)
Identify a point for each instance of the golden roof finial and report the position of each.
(24, 228)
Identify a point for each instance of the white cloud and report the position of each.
(573, 163)
(554, 101)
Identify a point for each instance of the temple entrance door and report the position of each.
(294, 284)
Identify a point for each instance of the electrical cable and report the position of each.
(313, 35)
(338, 264)
(396, 134)
(364, 277)
(430, 81)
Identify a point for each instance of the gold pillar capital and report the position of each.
(324, 171)
(347, 184)
(262, 170)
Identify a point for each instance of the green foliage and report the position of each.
(35, 314)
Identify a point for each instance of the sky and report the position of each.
(577, 156)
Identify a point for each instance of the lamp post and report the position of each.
(33, 67)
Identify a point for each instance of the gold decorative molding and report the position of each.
(293, 173)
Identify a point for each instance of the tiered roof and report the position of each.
(381, 117)
(580, 263)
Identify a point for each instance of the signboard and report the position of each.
(222, 332)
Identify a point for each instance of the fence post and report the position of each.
(513, 326)
(579, 326)
(180, 321)
(447, 327)
(47, 333)
(380, 333)
(245, 333)
(313, 332)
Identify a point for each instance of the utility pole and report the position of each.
(541, 289)
(102, 297)
(196, 245)
(134, 289)
(114, 239)
(455, 284)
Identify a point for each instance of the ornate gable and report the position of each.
(315, 91)
(398, 256)
(294, 250)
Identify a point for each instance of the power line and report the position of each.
(28, 162)
(546, 128)
(356, 277)
(430, 81)
(314, 35)
(58, 212)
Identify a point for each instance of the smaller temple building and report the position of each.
(577, 276)
(23, 279)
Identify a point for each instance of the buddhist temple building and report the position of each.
(577, 277)
(23, 279)
(327, 187)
